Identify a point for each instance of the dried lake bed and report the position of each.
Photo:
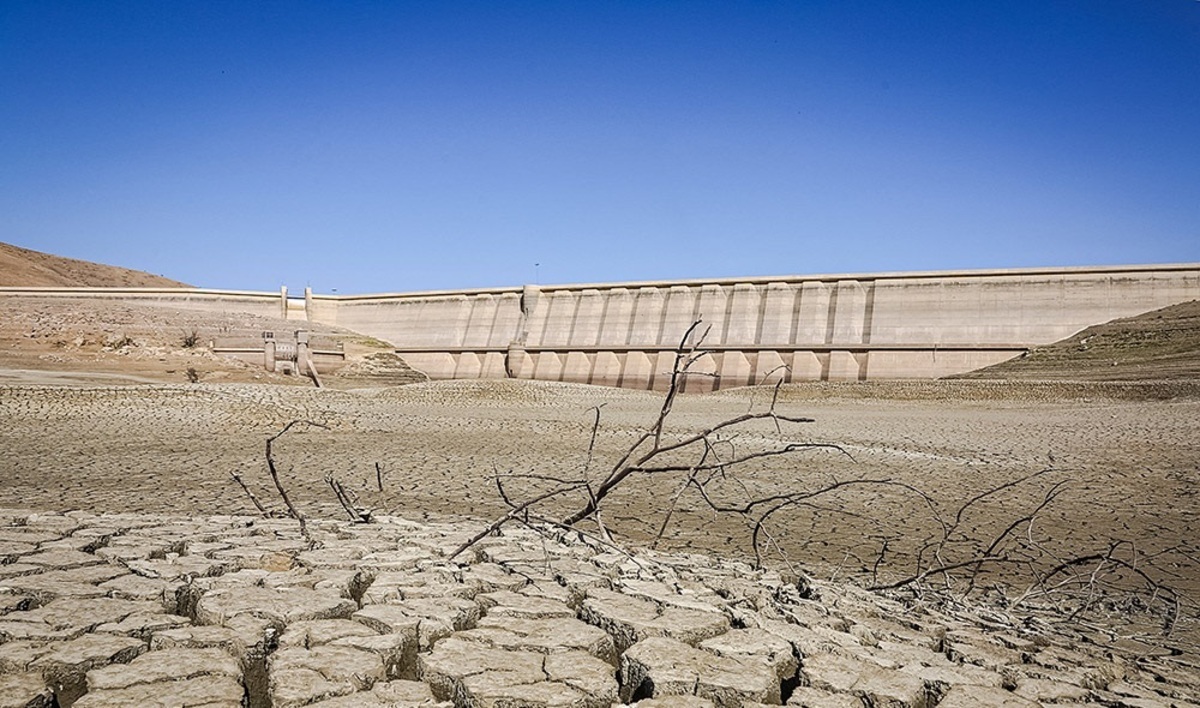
(1128, 458)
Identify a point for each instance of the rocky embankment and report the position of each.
(1160, 345)
(122, 610)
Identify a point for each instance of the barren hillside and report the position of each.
(1157, 345)
(22, 267)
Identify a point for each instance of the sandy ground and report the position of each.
(1131, 467)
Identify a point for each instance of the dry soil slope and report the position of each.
(1158, 345)
(21, 267)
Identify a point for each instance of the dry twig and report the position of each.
(292, 511)
(253, 498)
(349, 501)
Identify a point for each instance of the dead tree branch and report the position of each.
(292, 511)
(349, 501)
(513, 513)
(654, 451)
(956, 560)
(253, 498)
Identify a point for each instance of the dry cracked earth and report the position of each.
(138, 610)
(151, 592)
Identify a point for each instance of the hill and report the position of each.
(1157, 345)
(22, 267)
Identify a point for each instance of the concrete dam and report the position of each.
(829, 328)
(859, 327)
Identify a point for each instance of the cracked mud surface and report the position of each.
(84, 597)
(134, 609)
(1130, 465)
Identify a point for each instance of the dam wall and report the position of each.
(834, 328)
(756, 330)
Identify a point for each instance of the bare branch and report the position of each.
(253, 499)
(512, 514)
(349, 501)
(587, 465)
(957, 561)
(275, 472)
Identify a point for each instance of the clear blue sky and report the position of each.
(395, 146)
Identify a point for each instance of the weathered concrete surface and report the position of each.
(795, 328)
(524, 620)
(833, 328)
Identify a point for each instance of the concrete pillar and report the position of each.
(481, 321)
(507, 323)
(283, 302)
(530, 294)
(701, 377)
(548, 367)
(269, 351)
(589, 316)
(468, 366)
(638, 371)
(843, 366)
(735, 370)
(778, 314)
(435, 365)
(618, 317)
(518, 364)
(812, 314)
(664, 362)
(577, 368)
(769, 368)
(647, 317)
(533, 314)
(308, 301)
(713, 300)
(556, 326)
(744, 315)
(302, 356)
(680, 314)
(456, 320)
(607, 369)
(850, 313)
(806, 366)
(493, 366)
